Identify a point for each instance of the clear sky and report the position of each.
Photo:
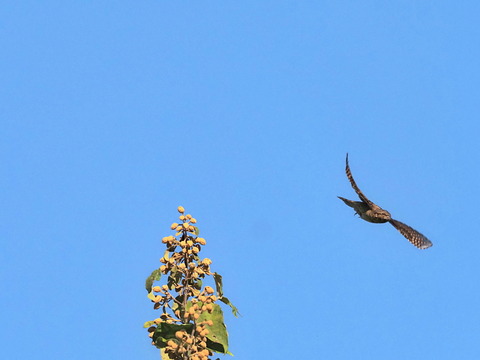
(114, 113)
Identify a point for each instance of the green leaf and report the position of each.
(197, 231)
(218, 283)
(226, 301)
(174, 306)
(165, 332)
(217, 338)
(166, 254)
(154, 276)
(179, 300)
(148, 324)
(151, 296)
(196, 292)
(174, 278)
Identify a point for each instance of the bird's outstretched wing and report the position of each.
(355, 187)
(412, 235)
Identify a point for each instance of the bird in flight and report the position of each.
(373, 213)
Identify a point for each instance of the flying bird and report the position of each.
(373, 213)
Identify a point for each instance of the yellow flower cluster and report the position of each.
(182, 298)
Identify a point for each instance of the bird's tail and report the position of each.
(412, 235)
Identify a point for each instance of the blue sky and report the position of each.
(113, 114)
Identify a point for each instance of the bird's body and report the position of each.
(373, 213)
(362, 209)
